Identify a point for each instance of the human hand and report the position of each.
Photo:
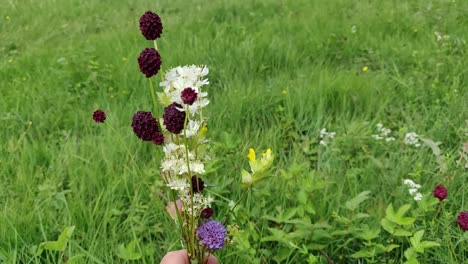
(181, 257)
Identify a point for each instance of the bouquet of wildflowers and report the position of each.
(182, 133)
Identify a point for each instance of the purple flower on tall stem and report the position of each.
(99, 116)
(189, 96)
(462, 220)
(149, 62)
(173, 118)
(212, 234)
(440, 192)
(145, 125)
(150, 25)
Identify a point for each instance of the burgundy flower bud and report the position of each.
(462, 220)
(440, 192)
(189, 96)
(158, 138)
(206, 213)
(149, 62)
(173, 118)
(197, 184)
(150, 25)
(145, 125)
(99, 116)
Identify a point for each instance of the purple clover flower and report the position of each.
(462, 220)
(145, 125)
(188, 96)
(440, 192)
(212, 234)
(99, 116)
(149, 62)
(150, 25)
(173, 118)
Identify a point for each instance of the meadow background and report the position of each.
(280, 71)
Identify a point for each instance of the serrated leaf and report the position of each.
(403, 209)
(358, 199)
(76, 259)
(429, 244)
(363, 254)
(391, 247)
(368, 234)
(277, 236)
(390, 214)
(361, 215)
(402, 232)
(128, 252)
(60, 244)
(416, 239)
(404, 221)
(387, 225)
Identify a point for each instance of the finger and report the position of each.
(176, 257)
(212, 260)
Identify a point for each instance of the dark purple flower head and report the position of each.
(150, 25)
(440, 192)
(173, 118)
(206, 213)
(188, 96)
(99, 116)
(462, 220)
(212, 234)
(197, 184)
(149, 61)
(158, 138)
(145, 125)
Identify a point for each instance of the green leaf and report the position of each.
(429, 244)
(402, 232)
(391, 247)
(415, 241)
(368, 234)
(128, 252)
(76, 259)
(60, 244)
(363, 254)
(387, 225)
(403, 209)
(358, 199)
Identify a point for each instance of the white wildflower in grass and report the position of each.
(326, 137)
(413, 189)
(383, 133)
(412, 139)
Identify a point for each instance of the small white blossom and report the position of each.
(418, 197)
(412, 139)
(326, 137)
(414, 189)
(192, 128)
(383, 133)
(178, 184)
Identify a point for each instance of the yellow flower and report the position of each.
(259, 167)
(365, 68)
(251, 154)
(203, 129)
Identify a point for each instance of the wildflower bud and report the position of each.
(462, 220)
(158, 138)
(171, 208)
(440, 192)
(197, 184)
(145, 125)
(188, 96)
(212, 234)
(206, 213)
(150, 25)
(173, 118)
(99, 116)
(149, 62)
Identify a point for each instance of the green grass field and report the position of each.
(280, 71)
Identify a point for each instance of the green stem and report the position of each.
(153, 96)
